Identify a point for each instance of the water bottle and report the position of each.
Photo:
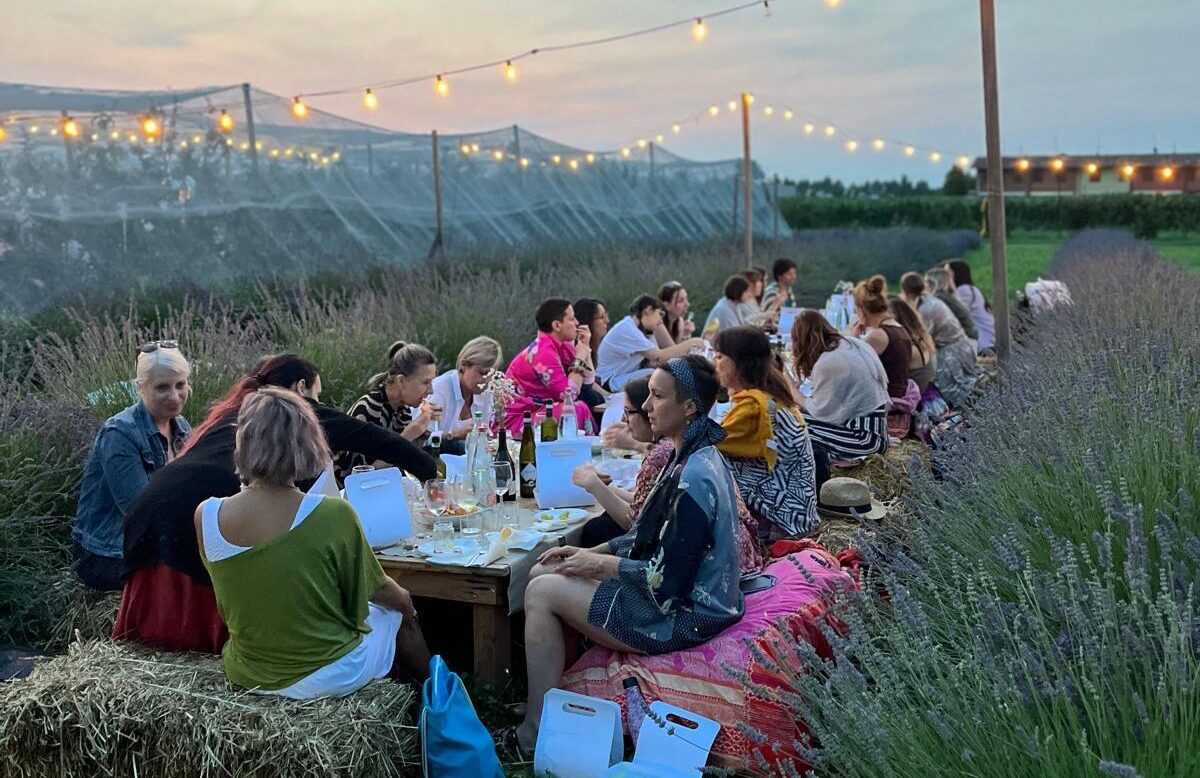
(635, 707)
(568, 424)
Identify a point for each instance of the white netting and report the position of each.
(200, 202)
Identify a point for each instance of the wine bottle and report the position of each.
(568, 424)
(549, 426)
(503, 457)
(527, 459)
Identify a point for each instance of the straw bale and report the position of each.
(85, 614)
(118, 710)
(888, 473)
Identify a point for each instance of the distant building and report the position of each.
(1065, 174)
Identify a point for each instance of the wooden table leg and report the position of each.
(493, 643)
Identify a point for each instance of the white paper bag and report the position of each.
(379, 500)
(614, 410)
(679, 748)
(580, 736)
(556, 461)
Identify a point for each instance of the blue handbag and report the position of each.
(454, 742)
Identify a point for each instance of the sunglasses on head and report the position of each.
(155, 345)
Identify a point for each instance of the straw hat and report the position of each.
(847, 497)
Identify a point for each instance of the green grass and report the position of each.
(1030, 252)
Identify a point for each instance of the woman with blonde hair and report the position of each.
(923, 364)
(310, 612)
(131, 445)
(955, 373)
(882, 332)
(393, 394)
(462, 391)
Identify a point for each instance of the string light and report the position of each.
(732, 105)
(132, 138)
(299, 109)
(714, 109)
(787, 116)
(1128, 171)
(658, 139)
(1167, 172)
(573, 164)
(909, 151)
(335, 156)
(1022, 165)
(1057, 165)
(878, 144)
(245, 146)
(964, 163)
(591, 159)
(769, 111)
(229, 142)
(465, 149)
(641, 143)
(852, 146)
(274, 153)
(53, 131)
(510, 71)
(114, 135)
(498, 155)
(556, 159)
(833, 3)
(225, 121)
(474, 148)
(935, 157)
(441, 87)
(1092, 168)
(183, 144)
(625, 152)
(70, 128)
(524, 161)
(809, 129)
(675, 128)
(196, 139)
(150, 126)
(748, 98)
(3, 134)
(370, 100)
(95, 136)
(258, 146)
(288, 152)
(830, 131)
(699, 31)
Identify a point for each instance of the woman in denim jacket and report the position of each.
(131, 445)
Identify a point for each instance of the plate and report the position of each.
(460, 556)
(557, 518)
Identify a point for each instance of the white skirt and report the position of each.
(371, 659)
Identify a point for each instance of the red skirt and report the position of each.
(163, 608)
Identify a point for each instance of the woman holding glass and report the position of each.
(462, 391)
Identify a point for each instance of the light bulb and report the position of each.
(335, 156)
(1022, 165)
(833, 3)
(878, 144)
(573, 164)
(852, 146)
(229, 142)
(183, 144)
(787, 116)
(731, 105)
(909, 151)
(225, 121)
(274, 153)
(714, 109)
(150, 126)
(642, 143)
(370, 100)
(964, 162)
(591, 159)
(1057, 165)
(498, 155)
(769, 111)
(556, 159)
(34, 129)
(809, 129)
(1128, 170)
(474, 148)
(95, 136)
(524, 161)
(510, 71)
(1093, 168)
(830, 131)
(625, 152)
(1167, 172)
(699, 31)
(245, 146)
(935, 157)
(658, 139)
(441, 87)
(288, 152)
(299, 109)
(749, 98)
(196, 139)
(675, 128)
(465, 149)
(3, 134)
(70, 128)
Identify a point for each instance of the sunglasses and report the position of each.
(155, 345)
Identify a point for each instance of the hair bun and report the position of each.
(876, 284)
(394, 349)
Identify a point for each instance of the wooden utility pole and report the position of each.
(995, 180)
(438, 237)
(747, 181)
(250, 127)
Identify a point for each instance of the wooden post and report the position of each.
(995, 181)
(438, 238)
(747, 183)
(250, 127)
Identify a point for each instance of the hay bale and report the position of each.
(888, 473)
(117, 710)
(84, 613)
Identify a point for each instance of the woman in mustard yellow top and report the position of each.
(309, 610)
(766, 441)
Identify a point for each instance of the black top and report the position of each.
(160, 528)
(895, 359)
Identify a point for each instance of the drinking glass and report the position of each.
(434, 428)
(362, 469)
(443, 536)
(470, 527)
(435, 496)
(503, 483)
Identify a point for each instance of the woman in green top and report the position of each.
(309, 610)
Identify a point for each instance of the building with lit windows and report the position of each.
(1064, 174)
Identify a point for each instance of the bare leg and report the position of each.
(550, 600)
(412, 655)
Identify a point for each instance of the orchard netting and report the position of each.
(103, 189)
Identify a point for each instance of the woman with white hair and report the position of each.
(461, 391)
(131, 445)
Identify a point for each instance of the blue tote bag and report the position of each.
(454, 742)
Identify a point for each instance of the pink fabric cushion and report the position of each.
(703, 680)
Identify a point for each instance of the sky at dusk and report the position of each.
(1076, 76)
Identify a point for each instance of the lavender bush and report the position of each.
(1041, 618)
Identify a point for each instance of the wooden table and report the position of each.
(495, 591)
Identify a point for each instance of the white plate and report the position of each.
(558, 516)
(462, 552)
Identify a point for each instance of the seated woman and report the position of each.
(779, 293)
(753, 311)
(955, 377)
(923, 362)
(451, 389)
(406, 384)
(130, 447)
(673, 584)
(593, 314)
(847, 411)
(981, 313)
(883, 333)
(558, 361)
(168, 600)
(622, 508)
(677, 326)
(941, 282)
(766, 441)
(733, 309)
(310, 611)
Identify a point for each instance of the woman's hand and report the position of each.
(589, 564)
(619, 436)
(557, 555)
(586, 477)
(687, 328)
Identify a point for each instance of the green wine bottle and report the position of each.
(527, 459)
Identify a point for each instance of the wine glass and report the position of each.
(502, 484)
(435, 496)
